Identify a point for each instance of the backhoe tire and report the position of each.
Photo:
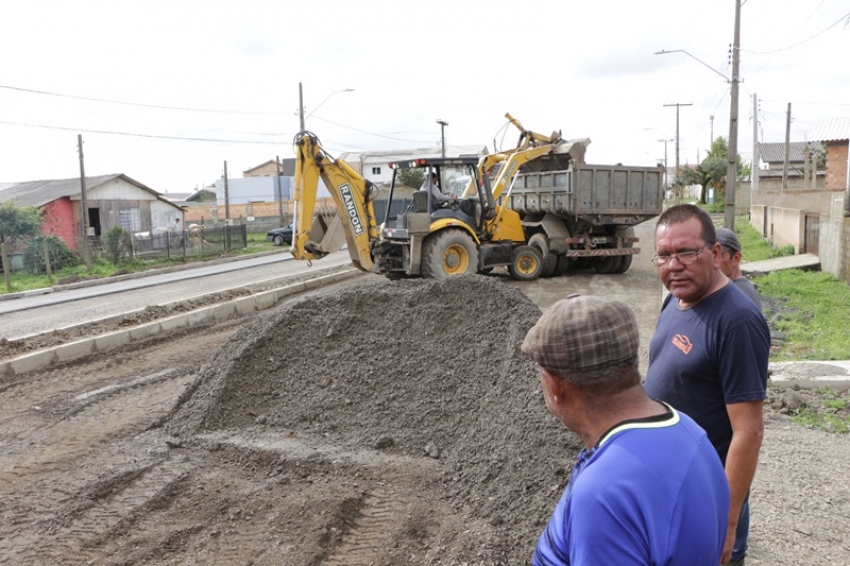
(550, 260)
(447, 253)
(526, 263)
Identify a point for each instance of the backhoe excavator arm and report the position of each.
(353, 223)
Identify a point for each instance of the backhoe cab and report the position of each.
(469, 235)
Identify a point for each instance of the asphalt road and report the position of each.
(44, 313)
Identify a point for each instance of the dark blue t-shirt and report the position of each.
(707, 356)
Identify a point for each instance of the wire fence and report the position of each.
(198, 241)
(45, 255)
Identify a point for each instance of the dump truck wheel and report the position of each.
(626, 260)
(550, 260)
(526, 263)
(563, 265)
(625, 264)
(448, 253)
(606, 264)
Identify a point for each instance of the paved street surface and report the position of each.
(44, 313)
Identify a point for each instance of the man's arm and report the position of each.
(747, 420)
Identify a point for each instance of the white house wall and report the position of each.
(118, 189)
(259, 189)
(163, 216)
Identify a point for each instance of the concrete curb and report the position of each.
(127, 276)
(104, 342)
(818, 374)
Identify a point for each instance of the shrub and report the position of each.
(60, 255)
(119, 245)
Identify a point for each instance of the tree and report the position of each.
(412, 177)
(713, 169)
(119, 245)
(18, 222)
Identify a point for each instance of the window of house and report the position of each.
(376, 170)
(129, 219)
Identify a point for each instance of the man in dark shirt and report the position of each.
(708, 356)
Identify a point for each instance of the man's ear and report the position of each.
(553, 382)
(717, 251)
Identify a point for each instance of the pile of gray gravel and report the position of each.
(417, 368)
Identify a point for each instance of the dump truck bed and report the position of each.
(595, 194)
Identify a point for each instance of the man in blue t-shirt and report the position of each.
(648, 487)
(708, 356)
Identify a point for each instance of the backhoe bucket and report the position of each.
(326, 235)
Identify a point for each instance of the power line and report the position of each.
(130, 134)
(813, 103)
(842, 18)
(364, 131)
(178, 108)
(181, 108)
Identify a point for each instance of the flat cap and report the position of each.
(583, 334)
(728, 239)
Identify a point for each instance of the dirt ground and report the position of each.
(380, 423)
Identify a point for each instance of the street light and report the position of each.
(301, 103)
(326, 99)
(701, 62)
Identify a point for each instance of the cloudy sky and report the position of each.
(167, 91)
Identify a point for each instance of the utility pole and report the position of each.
(666, 181)
(226, 197)
(712, 131)
(279, 190)
(443, 125)
(677, 189)
(301, 106)
(787, 148)
(732, 168)
(754, 174)
(84, 207)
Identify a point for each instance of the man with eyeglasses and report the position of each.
(708, 356)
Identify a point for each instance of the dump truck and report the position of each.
(581, 215)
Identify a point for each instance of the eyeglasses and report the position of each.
(685, 258)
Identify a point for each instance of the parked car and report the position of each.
(280, 236)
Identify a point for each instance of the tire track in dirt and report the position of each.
(82, 441)
(134, 490)
(379, 517)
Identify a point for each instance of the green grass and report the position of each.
(812, 309)
(829, 422)
(837, 404)
(755, 247)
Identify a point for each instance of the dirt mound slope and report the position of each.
(413, 369)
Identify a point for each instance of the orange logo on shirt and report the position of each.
(683, 343)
